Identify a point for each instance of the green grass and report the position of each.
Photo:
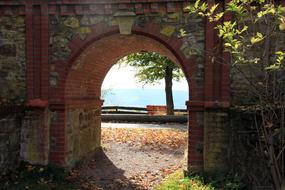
(177, 181)
(202, 181)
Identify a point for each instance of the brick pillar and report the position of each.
(82, 129)
(75, 130)
(37, 43)
(35, 133)
(57, 134)
(195, 135)
(215, 102)
(208, 136)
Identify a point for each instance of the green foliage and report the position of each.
(150, 67)
(225, 181)
(255, 22)
(253, 33)
(279, 60)
(202, 181)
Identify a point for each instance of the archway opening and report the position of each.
(137, 134)
(145, 79)
(83, 86)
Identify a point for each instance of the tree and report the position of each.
(151, 68)
(252, 31)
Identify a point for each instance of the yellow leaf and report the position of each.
(282, 26)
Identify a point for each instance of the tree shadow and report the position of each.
(102, 171)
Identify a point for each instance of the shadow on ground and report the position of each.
(107, 176)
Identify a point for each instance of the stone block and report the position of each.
(168, 30)
(7, 125)
(8, 50)
(35, 137)
(3, 161)
(4, 139)
(14, 138)
(72, 22)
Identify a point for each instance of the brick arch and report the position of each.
(81, 77)
(46, 79)
(94, 63)
(170, 46)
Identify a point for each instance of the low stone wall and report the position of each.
(10, 129)
(121, 118)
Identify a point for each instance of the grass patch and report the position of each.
(177, 181)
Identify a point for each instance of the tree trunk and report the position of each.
(168, 90)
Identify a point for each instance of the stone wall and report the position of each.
(24, 138)
(231, 145)
(83, 134)
(250, 81)
(216, 140)
(64, 29)
(12, 58)
(35, 138)
(10, 128)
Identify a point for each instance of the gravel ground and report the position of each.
(123, 166)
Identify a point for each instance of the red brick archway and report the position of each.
(63, 92)
(81, 80)
(97, 59)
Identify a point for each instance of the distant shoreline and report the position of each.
(142, 97)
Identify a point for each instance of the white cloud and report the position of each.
(123, 77)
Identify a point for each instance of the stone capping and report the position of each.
(102, 7)
(37, 103)
(125, 20)
(205, 105)
(88, 2)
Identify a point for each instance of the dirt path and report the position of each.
(135, 159)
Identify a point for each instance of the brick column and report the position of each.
(195, 135)
(37, 50)
(35, 145)
(57, 134)
(207, 144)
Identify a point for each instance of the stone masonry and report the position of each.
(54, 56)
(83, 134)
(216, 140)
(12, 58)
(35, 137)
(10, 130)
